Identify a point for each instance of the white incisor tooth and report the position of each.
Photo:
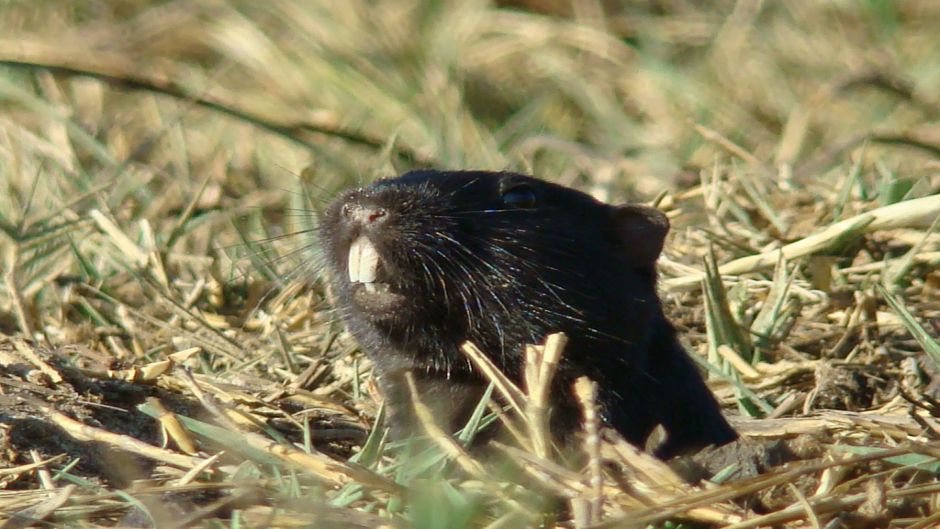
(363, 261)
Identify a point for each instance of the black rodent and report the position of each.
(426, 261)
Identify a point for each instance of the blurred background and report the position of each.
(575, 91)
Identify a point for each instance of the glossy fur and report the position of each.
(464, 262)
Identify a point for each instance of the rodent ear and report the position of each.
(641, 231)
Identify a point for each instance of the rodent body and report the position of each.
(426, 261)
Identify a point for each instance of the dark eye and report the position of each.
(520, 197)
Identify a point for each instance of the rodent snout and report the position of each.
(364, 215)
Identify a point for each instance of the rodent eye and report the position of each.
(520, 197)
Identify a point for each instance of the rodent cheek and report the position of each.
(468, 228)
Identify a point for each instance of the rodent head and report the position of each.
(482, 256)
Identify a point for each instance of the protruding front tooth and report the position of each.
(363, 261)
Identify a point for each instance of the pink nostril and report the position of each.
(373, 215)
(365, 214)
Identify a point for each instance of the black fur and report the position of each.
(463, 263)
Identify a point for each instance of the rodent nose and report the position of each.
(369, 216)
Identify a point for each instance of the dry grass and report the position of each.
(167, 354)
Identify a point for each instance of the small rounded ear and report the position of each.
(641, 231)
